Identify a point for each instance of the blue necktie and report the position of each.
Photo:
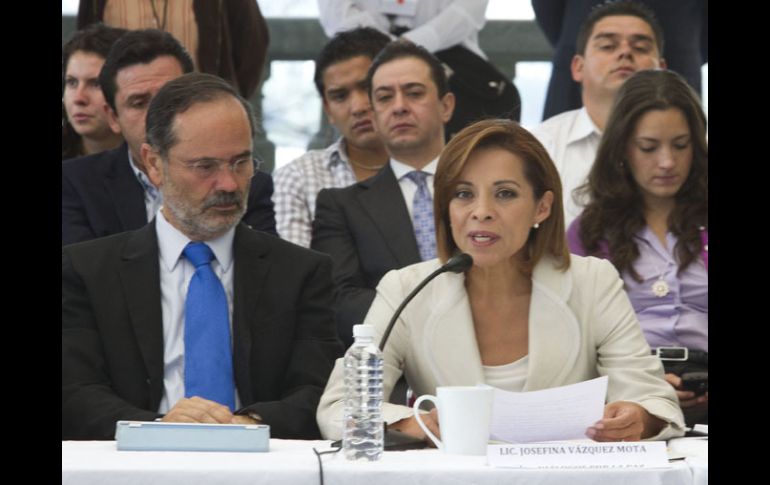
(422, 216)
(208, 361)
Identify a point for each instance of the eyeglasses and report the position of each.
(207, 168)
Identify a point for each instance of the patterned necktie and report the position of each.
(422, 216)
(208, 362)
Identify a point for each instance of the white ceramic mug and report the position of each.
(464, 413)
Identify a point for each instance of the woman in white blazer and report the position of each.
(527, 315)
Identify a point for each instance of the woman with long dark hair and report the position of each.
(647, 212)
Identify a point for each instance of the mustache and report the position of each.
(223, 198)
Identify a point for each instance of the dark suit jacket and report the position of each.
(100, 196)
(367, 230)
(685, 32)
(284, 340)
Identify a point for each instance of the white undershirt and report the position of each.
(175, 274)
(509, 377)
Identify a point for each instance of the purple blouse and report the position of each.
(680, 318)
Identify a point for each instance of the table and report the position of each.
(293, 462)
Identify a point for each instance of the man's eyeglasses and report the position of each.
(209, 167)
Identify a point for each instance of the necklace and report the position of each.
(160, 25)
(365, 167)
(660, 287)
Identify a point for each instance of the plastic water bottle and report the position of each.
(362, 436)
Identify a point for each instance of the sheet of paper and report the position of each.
(560, 413)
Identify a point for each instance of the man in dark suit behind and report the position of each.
(125, 319)
(368, 228)
(109, 192)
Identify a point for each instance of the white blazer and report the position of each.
(581, 326)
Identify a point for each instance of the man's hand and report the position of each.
(198, 410)
(240, 419)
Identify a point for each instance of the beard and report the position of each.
(202, 221)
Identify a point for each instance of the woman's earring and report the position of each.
(537, 224)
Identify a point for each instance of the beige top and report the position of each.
(581, 326)
(508, 377)
(174, 16)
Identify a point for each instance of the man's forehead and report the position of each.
(410, 70)
(622, 25)
(163, 68)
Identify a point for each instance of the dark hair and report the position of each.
(364, 41)
(611, 8)
(139, 47)
(402, 48)
(539, 169)
(177, 96)
(615, 211)
(94, 39)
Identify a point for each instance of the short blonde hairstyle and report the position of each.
(539, 171)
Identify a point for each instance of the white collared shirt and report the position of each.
(153, 198)
(572, 140)
(175, 274)
(409, 187)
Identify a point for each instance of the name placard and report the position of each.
(571, 454)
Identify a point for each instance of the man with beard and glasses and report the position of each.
(196, 317)
(110, 192)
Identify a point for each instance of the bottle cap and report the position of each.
(363, 331)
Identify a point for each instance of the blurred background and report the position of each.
(291, 107)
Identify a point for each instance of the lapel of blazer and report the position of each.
(140, 276)
(250, 253)
(554, 332)
(383, 201)
(125, 191)
(449, 340)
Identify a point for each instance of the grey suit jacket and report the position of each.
(367, 231)
(581, 326)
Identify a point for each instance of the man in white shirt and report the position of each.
(196, 317)
(616, 40)
(383, 223)
(340, 78)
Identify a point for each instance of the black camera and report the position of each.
(697, 382)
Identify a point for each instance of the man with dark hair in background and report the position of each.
(616, 40)
(340, 77)
(110, 192)
(684, 24)
(386, 222)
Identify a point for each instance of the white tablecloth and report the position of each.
(293, 462)
(697, 452)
